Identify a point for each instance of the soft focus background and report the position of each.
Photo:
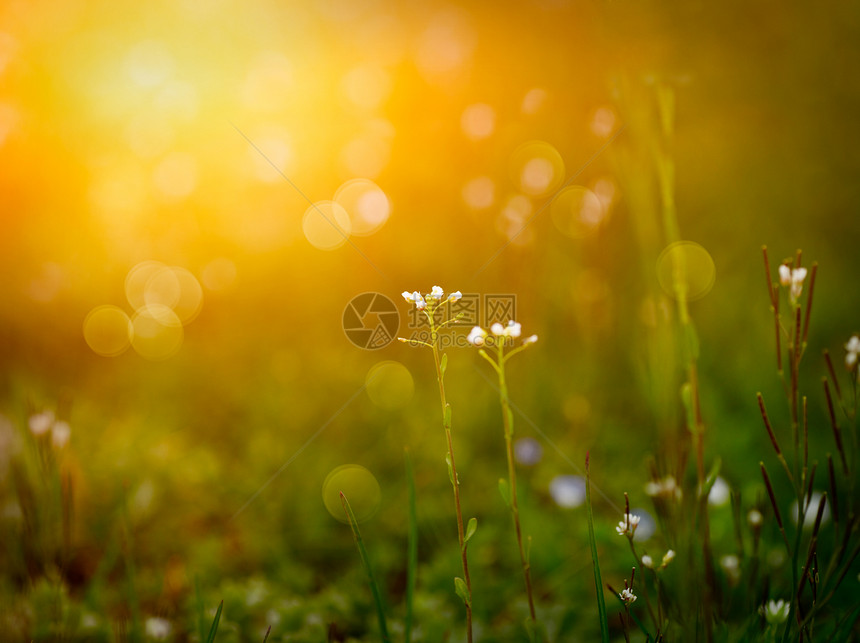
(158, 162)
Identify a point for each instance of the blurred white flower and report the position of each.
(41, 423)
(792, 278)
(157, 628)
(477, 336)
(668, 557)
(648, 561)
(754, 518)
(567, 491)
(437, 293)
(627, 596)
(720, 493)
(454, 296)
(731, 565)
(853, 352)
(513, 329)
(530, 340)
(775, 612)
(667, 487)
(528, 451)
(60, 434)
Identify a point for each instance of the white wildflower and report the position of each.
(775, 612)
(668, 557)
(60, 434)
(513, 329)
(853, 352)
(530, 340)
(41, 423)
(415, 298)
(793, 278)
(648, 561)
(477, 336)
(157, 628)
(455, 296)
(437, 293)
(497, 329)
(627, 526)
(754, 518)
(627, 595)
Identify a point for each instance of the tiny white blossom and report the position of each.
(157, 628)
(530, 340)
(497, 329)
(775, 612)
(513, 329)
(666, 487)
(436, 293)
(41, 423)
(627, 596)
(454, 296)
(648, 561)
(477, 336)
(417, 299)
(852, 356)
(60, 434)
(668, 557)
(754, 518)
(792, 277)
(627, 526)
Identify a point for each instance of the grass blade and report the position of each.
(598, 583)
(412, 549)
(365, 561)
(214, 629)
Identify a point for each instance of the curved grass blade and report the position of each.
(214, 629)
(598, 583)
(412, 549)
(365, 561)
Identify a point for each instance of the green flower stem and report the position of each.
(455, 482)
(508, 419)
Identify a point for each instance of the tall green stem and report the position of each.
(508, 419)
(455, 482)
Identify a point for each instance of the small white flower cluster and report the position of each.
(627, 527)
(478, 336)
(435, 297)
(852, 355)
(627, 596)
(792, 278)
(668, 557)
(665, 488)
(43, 423)
(775, 612)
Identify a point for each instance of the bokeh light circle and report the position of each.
(577, 211)
(108, 330)
(136, 280)
(366, 204)
(177, 289)
(686, 271)
(358, 485)
(389, 385)
(326, 225)
(158, 332)
(537, 168)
